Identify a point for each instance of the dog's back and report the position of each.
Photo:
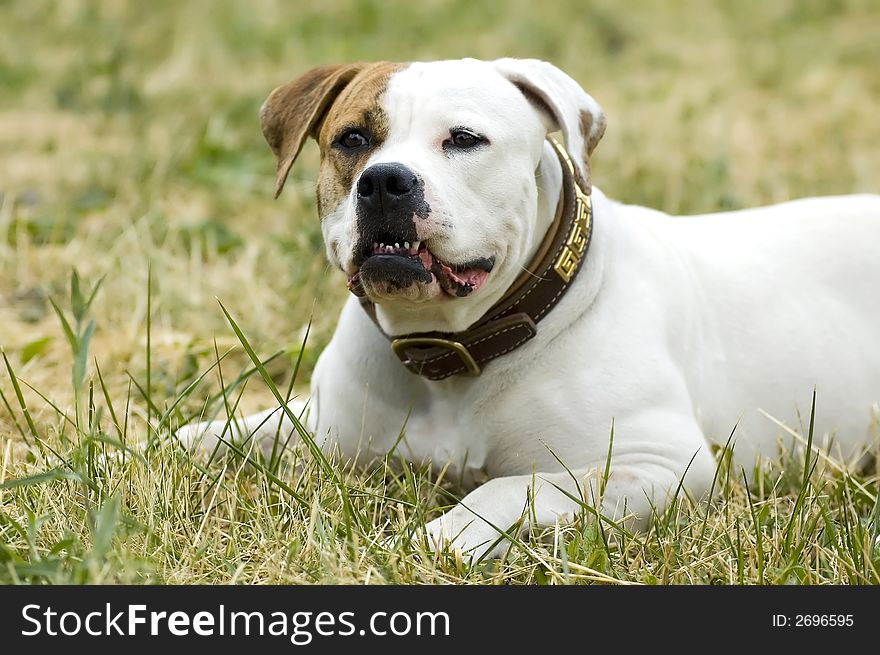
(788, 298)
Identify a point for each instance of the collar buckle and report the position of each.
(400, 345)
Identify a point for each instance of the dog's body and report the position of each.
(676, 329)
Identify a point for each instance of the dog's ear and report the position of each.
(296, 110)
(563, 103)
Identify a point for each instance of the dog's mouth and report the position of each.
(396, 266)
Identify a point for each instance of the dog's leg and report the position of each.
(263, 428)
(632, 492)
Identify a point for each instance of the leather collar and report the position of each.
(513, 320)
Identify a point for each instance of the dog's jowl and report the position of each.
(507, 312)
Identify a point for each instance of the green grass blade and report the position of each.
(41, 478)
(22, 404)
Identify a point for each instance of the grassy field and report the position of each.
(130, 152)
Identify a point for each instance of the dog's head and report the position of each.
(427, 189)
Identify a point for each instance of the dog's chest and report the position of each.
(475, 436)
(451, 436)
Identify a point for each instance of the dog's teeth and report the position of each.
(375, 245)
(416, 245)
(397, 246)
(406, 245)
(389, 249)
(382, 246)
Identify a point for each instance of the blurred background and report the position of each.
(129, 141)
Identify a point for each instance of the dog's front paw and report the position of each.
(195, 435)
(206, 436)
(210, 435)
(460, 530)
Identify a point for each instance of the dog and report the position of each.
(508, 315)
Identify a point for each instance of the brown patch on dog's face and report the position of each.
(301, 108)
(356, 108)
(294, 111)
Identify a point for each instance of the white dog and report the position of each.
(442, 200)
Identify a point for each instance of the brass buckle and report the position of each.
(399, 347)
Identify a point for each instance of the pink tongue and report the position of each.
(426, 258)
(469, 277)
(472, 277)
(475, 277)
(462, 277)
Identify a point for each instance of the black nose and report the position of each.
(389, 198)
(386, 183)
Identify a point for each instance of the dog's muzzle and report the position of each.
(389, 199)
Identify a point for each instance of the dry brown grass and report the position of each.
(129, 142)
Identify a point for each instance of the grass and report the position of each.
(130, 154)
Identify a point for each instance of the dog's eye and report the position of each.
(352, 140)
(461, 138)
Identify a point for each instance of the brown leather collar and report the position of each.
(512, 320)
